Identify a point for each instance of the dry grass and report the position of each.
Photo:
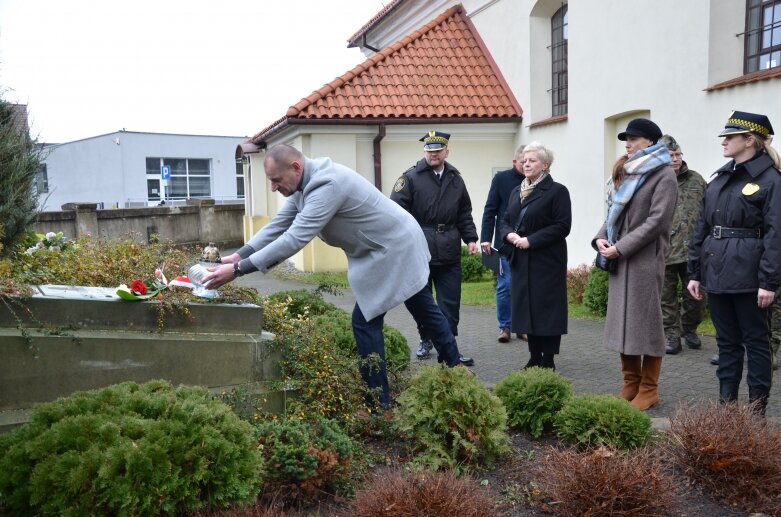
(602, 482)
(730, 453)
(400, 493)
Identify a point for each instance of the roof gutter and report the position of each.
(378, 156)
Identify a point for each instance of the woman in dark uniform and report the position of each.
(538, 264)
(735, 254)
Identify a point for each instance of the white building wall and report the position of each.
(626, 59)
(111, 169)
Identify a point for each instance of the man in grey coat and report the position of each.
(387, 253)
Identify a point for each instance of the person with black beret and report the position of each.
(636, 235)
(735, 254)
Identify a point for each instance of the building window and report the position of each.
(763, 35)
(559, 36)
(190, 178)
(42, 180)
(239, 179)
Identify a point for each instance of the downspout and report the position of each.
(378, 156)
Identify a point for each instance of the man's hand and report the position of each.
(486, 247)
(472, 248)
(231, 259)
(694, 289)
(219, 276)
(765, 298)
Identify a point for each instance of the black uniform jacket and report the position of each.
(539, 273)
(748, 197)
(442, 208)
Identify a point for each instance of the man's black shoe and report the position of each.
(466, 361)
(692, 340)
(714, 360)
(673, 346)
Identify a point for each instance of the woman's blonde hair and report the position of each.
(762, 143)
(543, 153)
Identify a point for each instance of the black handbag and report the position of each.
(606, 264)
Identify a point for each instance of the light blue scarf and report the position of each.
(637, 168)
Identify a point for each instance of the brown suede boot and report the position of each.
(630, 366)
(648, 395)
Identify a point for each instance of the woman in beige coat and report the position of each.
(641, 204)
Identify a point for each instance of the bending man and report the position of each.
(387, 254)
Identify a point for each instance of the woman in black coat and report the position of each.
(735, 254)
(538, 259)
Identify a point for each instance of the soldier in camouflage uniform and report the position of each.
(681, 319)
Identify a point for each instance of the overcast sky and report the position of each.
(216, 67)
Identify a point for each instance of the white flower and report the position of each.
(50, 236)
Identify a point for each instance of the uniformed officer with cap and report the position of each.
(735, 254)
(434, 192)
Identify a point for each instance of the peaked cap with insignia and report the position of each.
(435, 140)
(744, 122)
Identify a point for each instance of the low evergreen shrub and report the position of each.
(331, 322)
(596, 292)
(337, 326)
(129, 449)
(399, 492)
(472, 268)
(304, 303)
(730, 453)
(452, 419)
(595, 295)
(603, 482)
(305, 458)
(532, 398)
(593, 420)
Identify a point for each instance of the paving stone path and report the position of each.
(592, 369)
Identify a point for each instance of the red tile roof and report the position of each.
(442, 71)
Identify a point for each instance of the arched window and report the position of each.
(763, 35)
(559, 37)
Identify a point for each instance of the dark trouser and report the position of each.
(544, 344)
(679, 317)
(446, 281)
(369, 340)
(741, 326)
(542, 349)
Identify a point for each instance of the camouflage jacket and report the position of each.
(691, 189)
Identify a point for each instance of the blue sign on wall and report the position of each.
(165, 172)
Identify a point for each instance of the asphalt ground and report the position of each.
(686, 377)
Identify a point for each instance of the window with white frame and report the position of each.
(190, 177)
(763, 35)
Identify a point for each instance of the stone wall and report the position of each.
(92, 339)
(199, 222)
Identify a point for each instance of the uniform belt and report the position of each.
(722, 232)
(439, 228)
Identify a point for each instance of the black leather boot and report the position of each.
(534, 360)
(547, 362)
(728, 392)
(758, 397)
